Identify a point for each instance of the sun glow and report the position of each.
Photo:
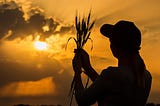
(40, 45)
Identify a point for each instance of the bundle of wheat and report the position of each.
(83, 31)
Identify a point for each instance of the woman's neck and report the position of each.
(124, 62)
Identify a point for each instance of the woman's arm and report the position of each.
(88, 96)
(91, 73)
(80, 93)
(78, 88)
(89, 70)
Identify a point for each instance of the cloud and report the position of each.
(12, 70)
(47, 81)
(13, 22)
(45, 86)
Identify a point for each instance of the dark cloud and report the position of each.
(13, 71)
(16, 71)
(66, 29)
(12, 19)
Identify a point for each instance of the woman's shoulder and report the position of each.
(121, 73)
(110, 71)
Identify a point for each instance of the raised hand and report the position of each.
(85, 59)
(88, 69)
(76, 63)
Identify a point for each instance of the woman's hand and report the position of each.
(82, 60)
(85, 60)
(88, 70)
(76, 63)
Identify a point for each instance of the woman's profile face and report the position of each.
(114, 50)
(117, 52)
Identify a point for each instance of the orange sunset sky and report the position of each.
(35, 67)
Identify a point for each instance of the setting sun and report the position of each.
(40, 45)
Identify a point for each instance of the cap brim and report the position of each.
(106, 30)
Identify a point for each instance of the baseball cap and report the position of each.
(123, 34)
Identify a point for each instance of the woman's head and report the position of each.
(124, 36)
(125, 40)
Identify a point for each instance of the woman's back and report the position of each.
(120, 88)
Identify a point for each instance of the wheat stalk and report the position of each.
(83, 31)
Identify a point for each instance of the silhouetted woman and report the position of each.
(128, 84)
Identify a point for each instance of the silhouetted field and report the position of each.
(148, 104)
(35, 105)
